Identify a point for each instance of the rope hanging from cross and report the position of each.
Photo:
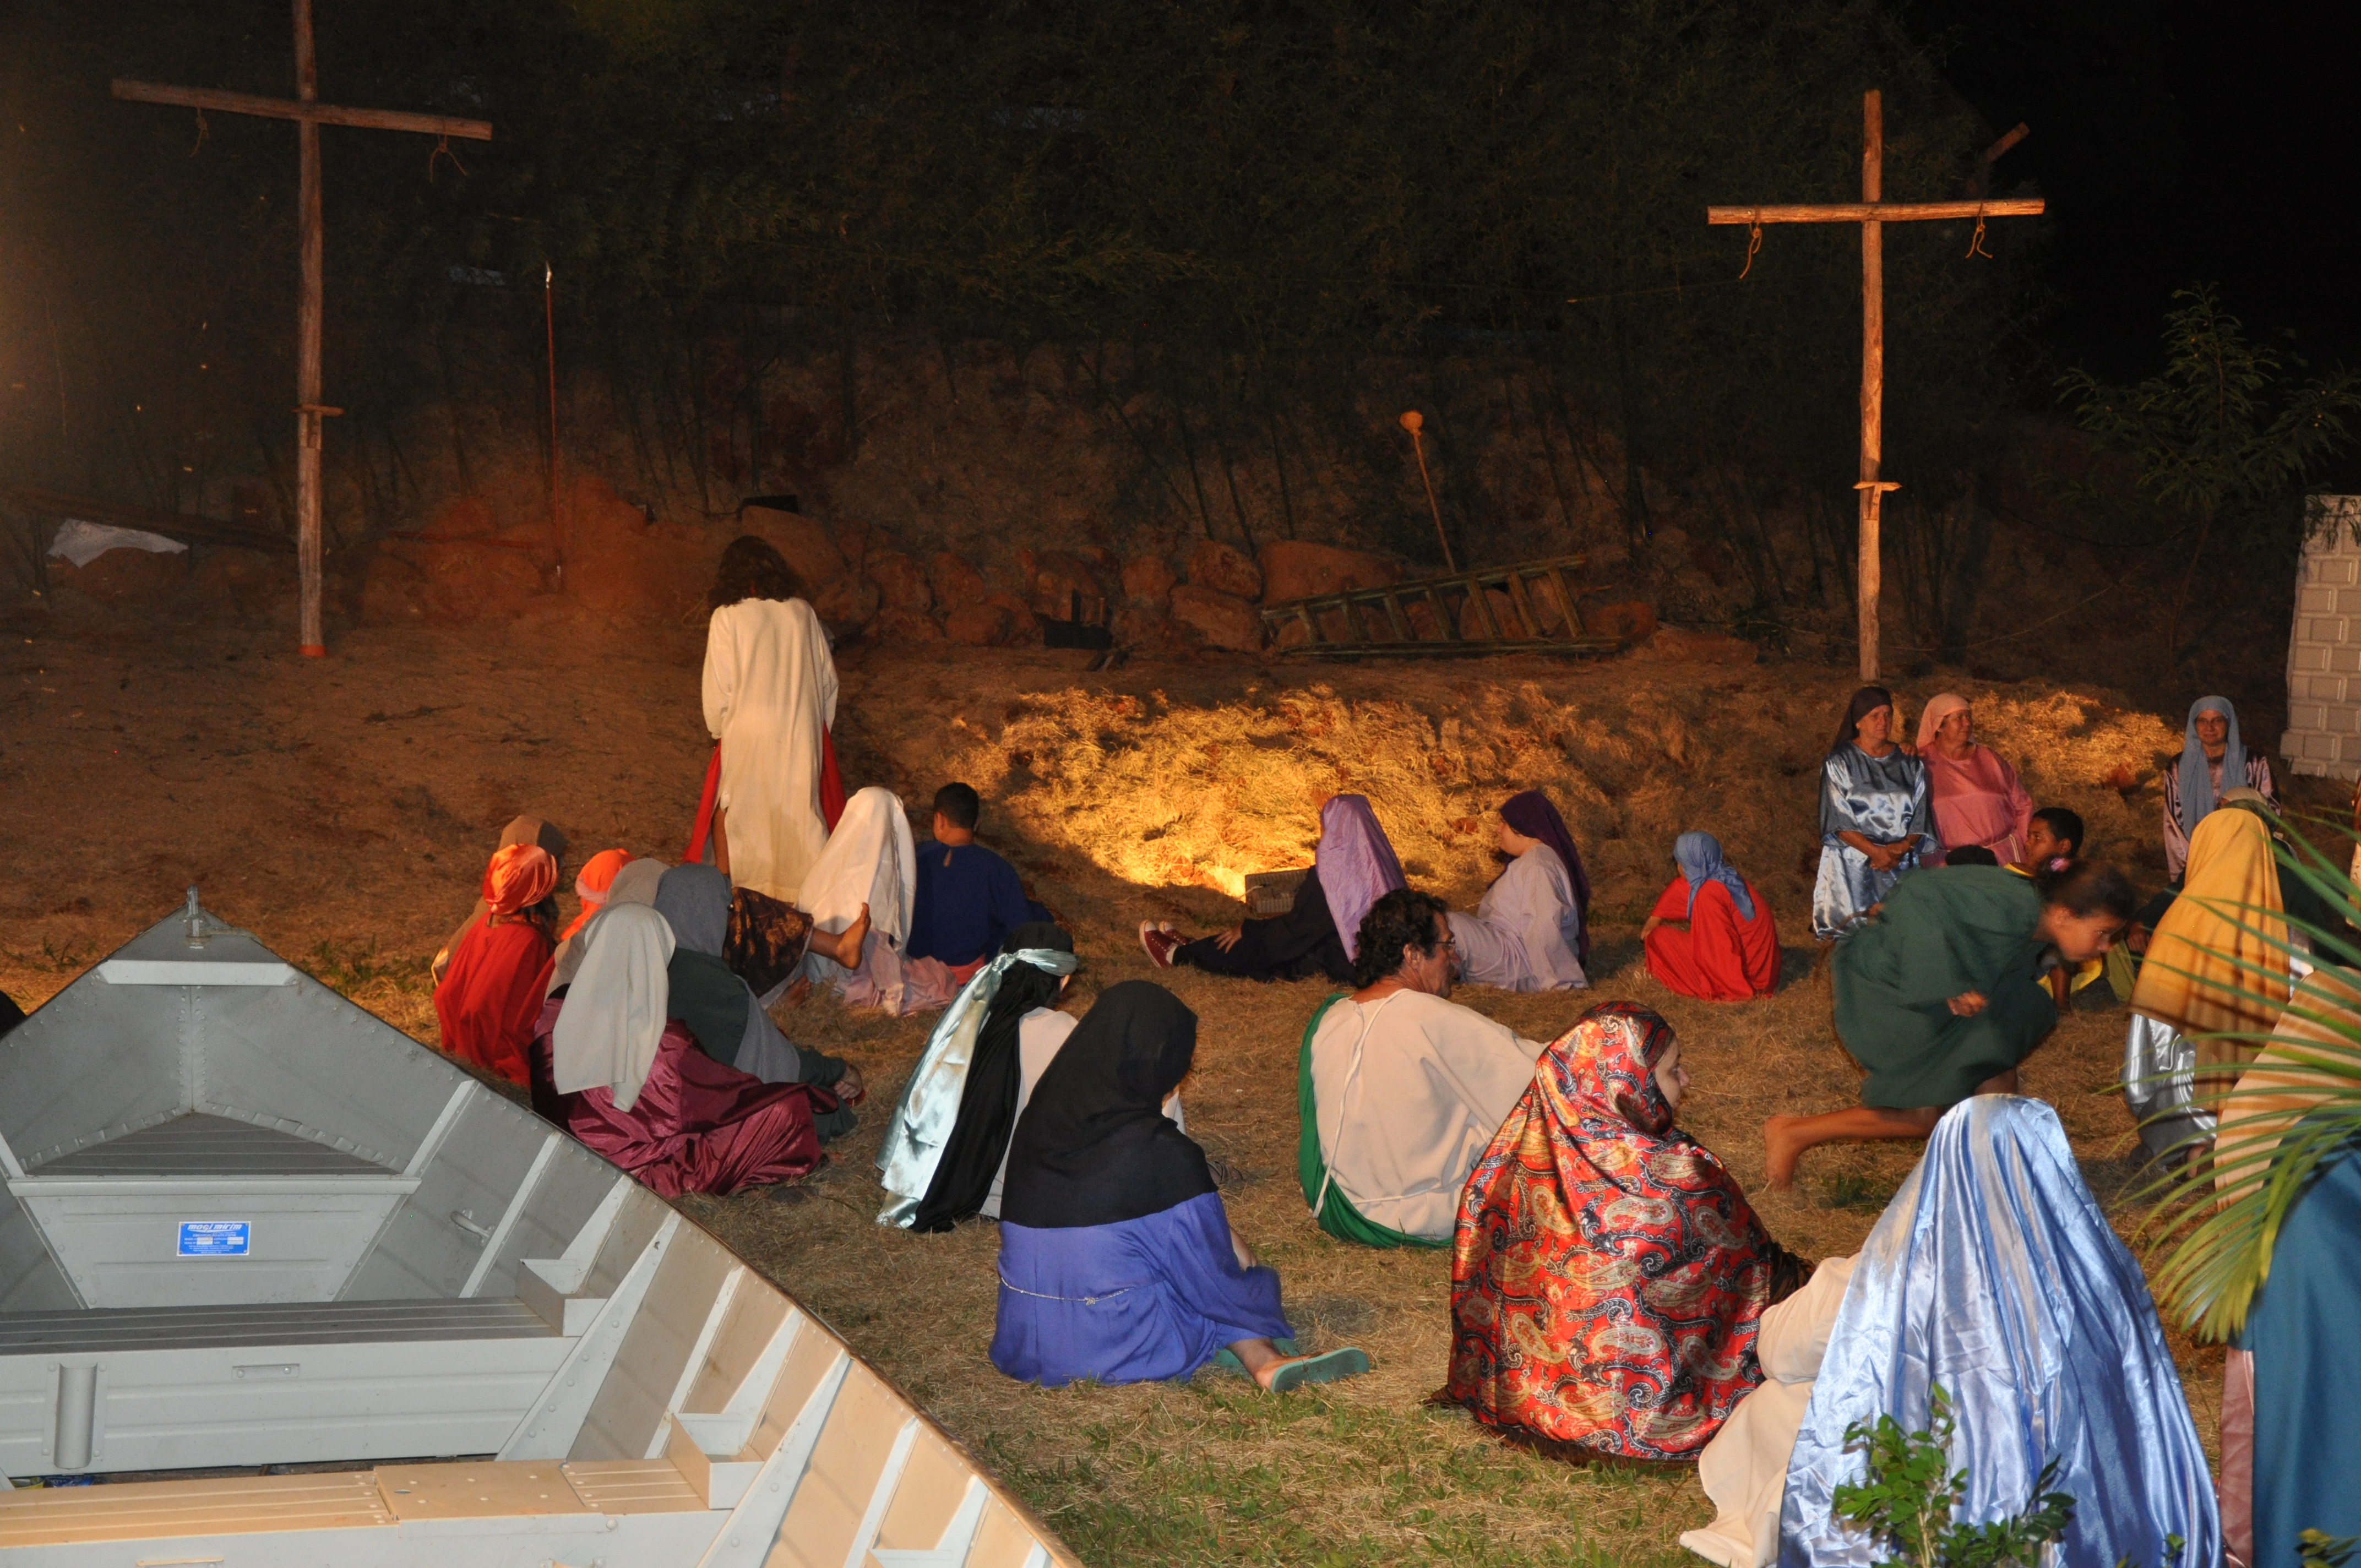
(1872, 213)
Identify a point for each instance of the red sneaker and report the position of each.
(1160, 943)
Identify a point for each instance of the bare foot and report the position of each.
(851, 940)
(1781, 1150)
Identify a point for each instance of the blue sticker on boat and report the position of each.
(215, 1238)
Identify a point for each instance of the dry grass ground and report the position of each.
(341, 811)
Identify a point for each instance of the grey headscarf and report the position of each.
(695, 902)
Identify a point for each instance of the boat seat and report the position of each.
(119, 1329)
(197, 1144)
(208, 1508)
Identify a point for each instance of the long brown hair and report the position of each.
(751, 569)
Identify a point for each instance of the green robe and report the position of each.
(1943, 932)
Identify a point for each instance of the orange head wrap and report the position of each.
(520, 876)
(598, 876)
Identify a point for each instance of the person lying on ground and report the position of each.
(1529, 932)
(2213, 760)
(1606, 1272)
(1398, 1087)
(1877, 816)
(520, 831)
(1994, 1275)
(1978, 797)
(969, 898)
(1711, 935)
(490, 995)
(1936, 998)
(615, 1067)
(1351, 869)
(719, 1010)
(947, 1140)
(769, 693)
(1117, 1261)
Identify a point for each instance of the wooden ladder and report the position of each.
(1379, 620)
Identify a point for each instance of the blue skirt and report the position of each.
(1132, 1302)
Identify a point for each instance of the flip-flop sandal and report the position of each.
(1332, 1366)
(1226, 1360)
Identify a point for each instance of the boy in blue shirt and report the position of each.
(969, 898)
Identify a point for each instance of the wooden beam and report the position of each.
(1872, 212)
(171, 524)
(308, 112)
(1869, 582)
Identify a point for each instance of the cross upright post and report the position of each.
(1873, 214)
(309, 115)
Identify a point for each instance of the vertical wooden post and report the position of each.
(1873, 375)
(307, 342)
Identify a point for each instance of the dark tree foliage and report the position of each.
(1256, 214)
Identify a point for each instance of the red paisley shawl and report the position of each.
(1607, 1274)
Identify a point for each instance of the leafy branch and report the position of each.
(1906, 1498)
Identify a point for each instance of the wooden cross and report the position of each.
(309, 115)
(1872, 213)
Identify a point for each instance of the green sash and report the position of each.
(1334, 1213)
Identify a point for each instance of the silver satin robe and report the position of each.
(1882, 799)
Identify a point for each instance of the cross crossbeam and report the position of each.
(309, 115)
(1872, 213)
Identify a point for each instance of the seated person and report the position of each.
(1608, 1272)
(2075, 1368)
(2217, 963)
(1971, 855)
(1351, 869)
(490, 994)
(948, 1138)
(1399, 1088)
(1117, 1261)
(1711, 935)
(520, 831)
(591, 887)
(1935, 997)
(1529, 934)
(635, 883)
(864, 883)
(719, 1010)
(969, 899)
(615, 1067)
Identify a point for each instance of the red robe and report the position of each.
(1719, 958)
(492, 994)
(696, 1127)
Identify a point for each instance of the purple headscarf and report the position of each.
(1530, 813)
(1356, 866)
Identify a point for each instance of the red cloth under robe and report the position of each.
(697, 1126)
(492, 994)
(1719, 958)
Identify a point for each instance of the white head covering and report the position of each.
(1940, 708)
(870, 859)
(611, 1021)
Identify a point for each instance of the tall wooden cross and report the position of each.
(1873, 213)
(309, 115)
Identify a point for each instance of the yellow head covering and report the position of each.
(2215, 945)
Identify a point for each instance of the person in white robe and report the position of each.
(1523, 935)
(769, 694)
(1401, 1087)
(868, 873)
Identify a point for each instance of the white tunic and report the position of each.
(1408, 1092)
(1522, 936)
(1039, 1034)
(770, 689)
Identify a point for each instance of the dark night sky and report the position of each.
(2177, 142)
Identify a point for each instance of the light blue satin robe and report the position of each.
(1882, 799)
(1994, 1273)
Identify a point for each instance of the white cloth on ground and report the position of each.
(1523, 933)
(770, 690)
(82, 542)
(1407, 1092)
(1744, 1469)
(613, 1018)
(870, 859)
(1039, 1034)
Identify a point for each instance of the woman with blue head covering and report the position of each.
(1711, 935)
(2213, 760)
(1994, 1275)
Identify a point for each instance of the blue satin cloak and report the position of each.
(1994, 1274)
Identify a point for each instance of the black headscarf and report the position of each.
(705, 994)
(1865, 701)
(987, 1110)
(1094, 1146)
